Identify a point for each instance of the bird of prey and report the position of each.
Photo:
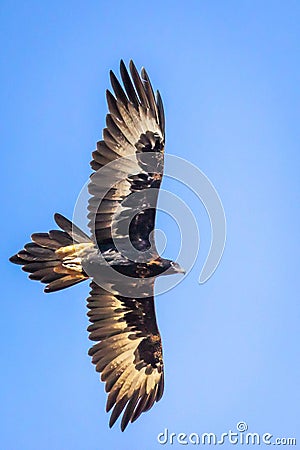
(123, 190)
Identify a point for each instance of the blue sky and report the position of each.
(228, 73)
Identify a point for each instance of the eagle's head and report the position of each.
(162, 266)
(176, 268)
(171, 267)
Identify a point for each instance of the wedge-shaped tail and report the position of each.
(55, 257)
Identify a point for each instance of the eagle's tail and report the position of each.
(55, 257)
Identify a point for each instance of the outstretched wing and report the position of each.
(135, 128)
(129, 354)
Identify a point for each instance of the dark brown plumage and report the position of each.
(130, 359)
(128, 349)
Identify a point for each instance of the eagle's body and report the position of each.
(128, 165)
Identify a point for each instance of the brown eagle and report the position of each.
(122, 208)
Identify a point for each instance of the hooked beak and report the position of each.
(177, 268)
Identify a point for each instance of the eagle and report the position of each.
(119, 257)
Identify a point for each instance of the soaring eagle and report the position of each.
(128, 349)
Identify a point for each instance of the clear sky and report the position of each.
(228, 73)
